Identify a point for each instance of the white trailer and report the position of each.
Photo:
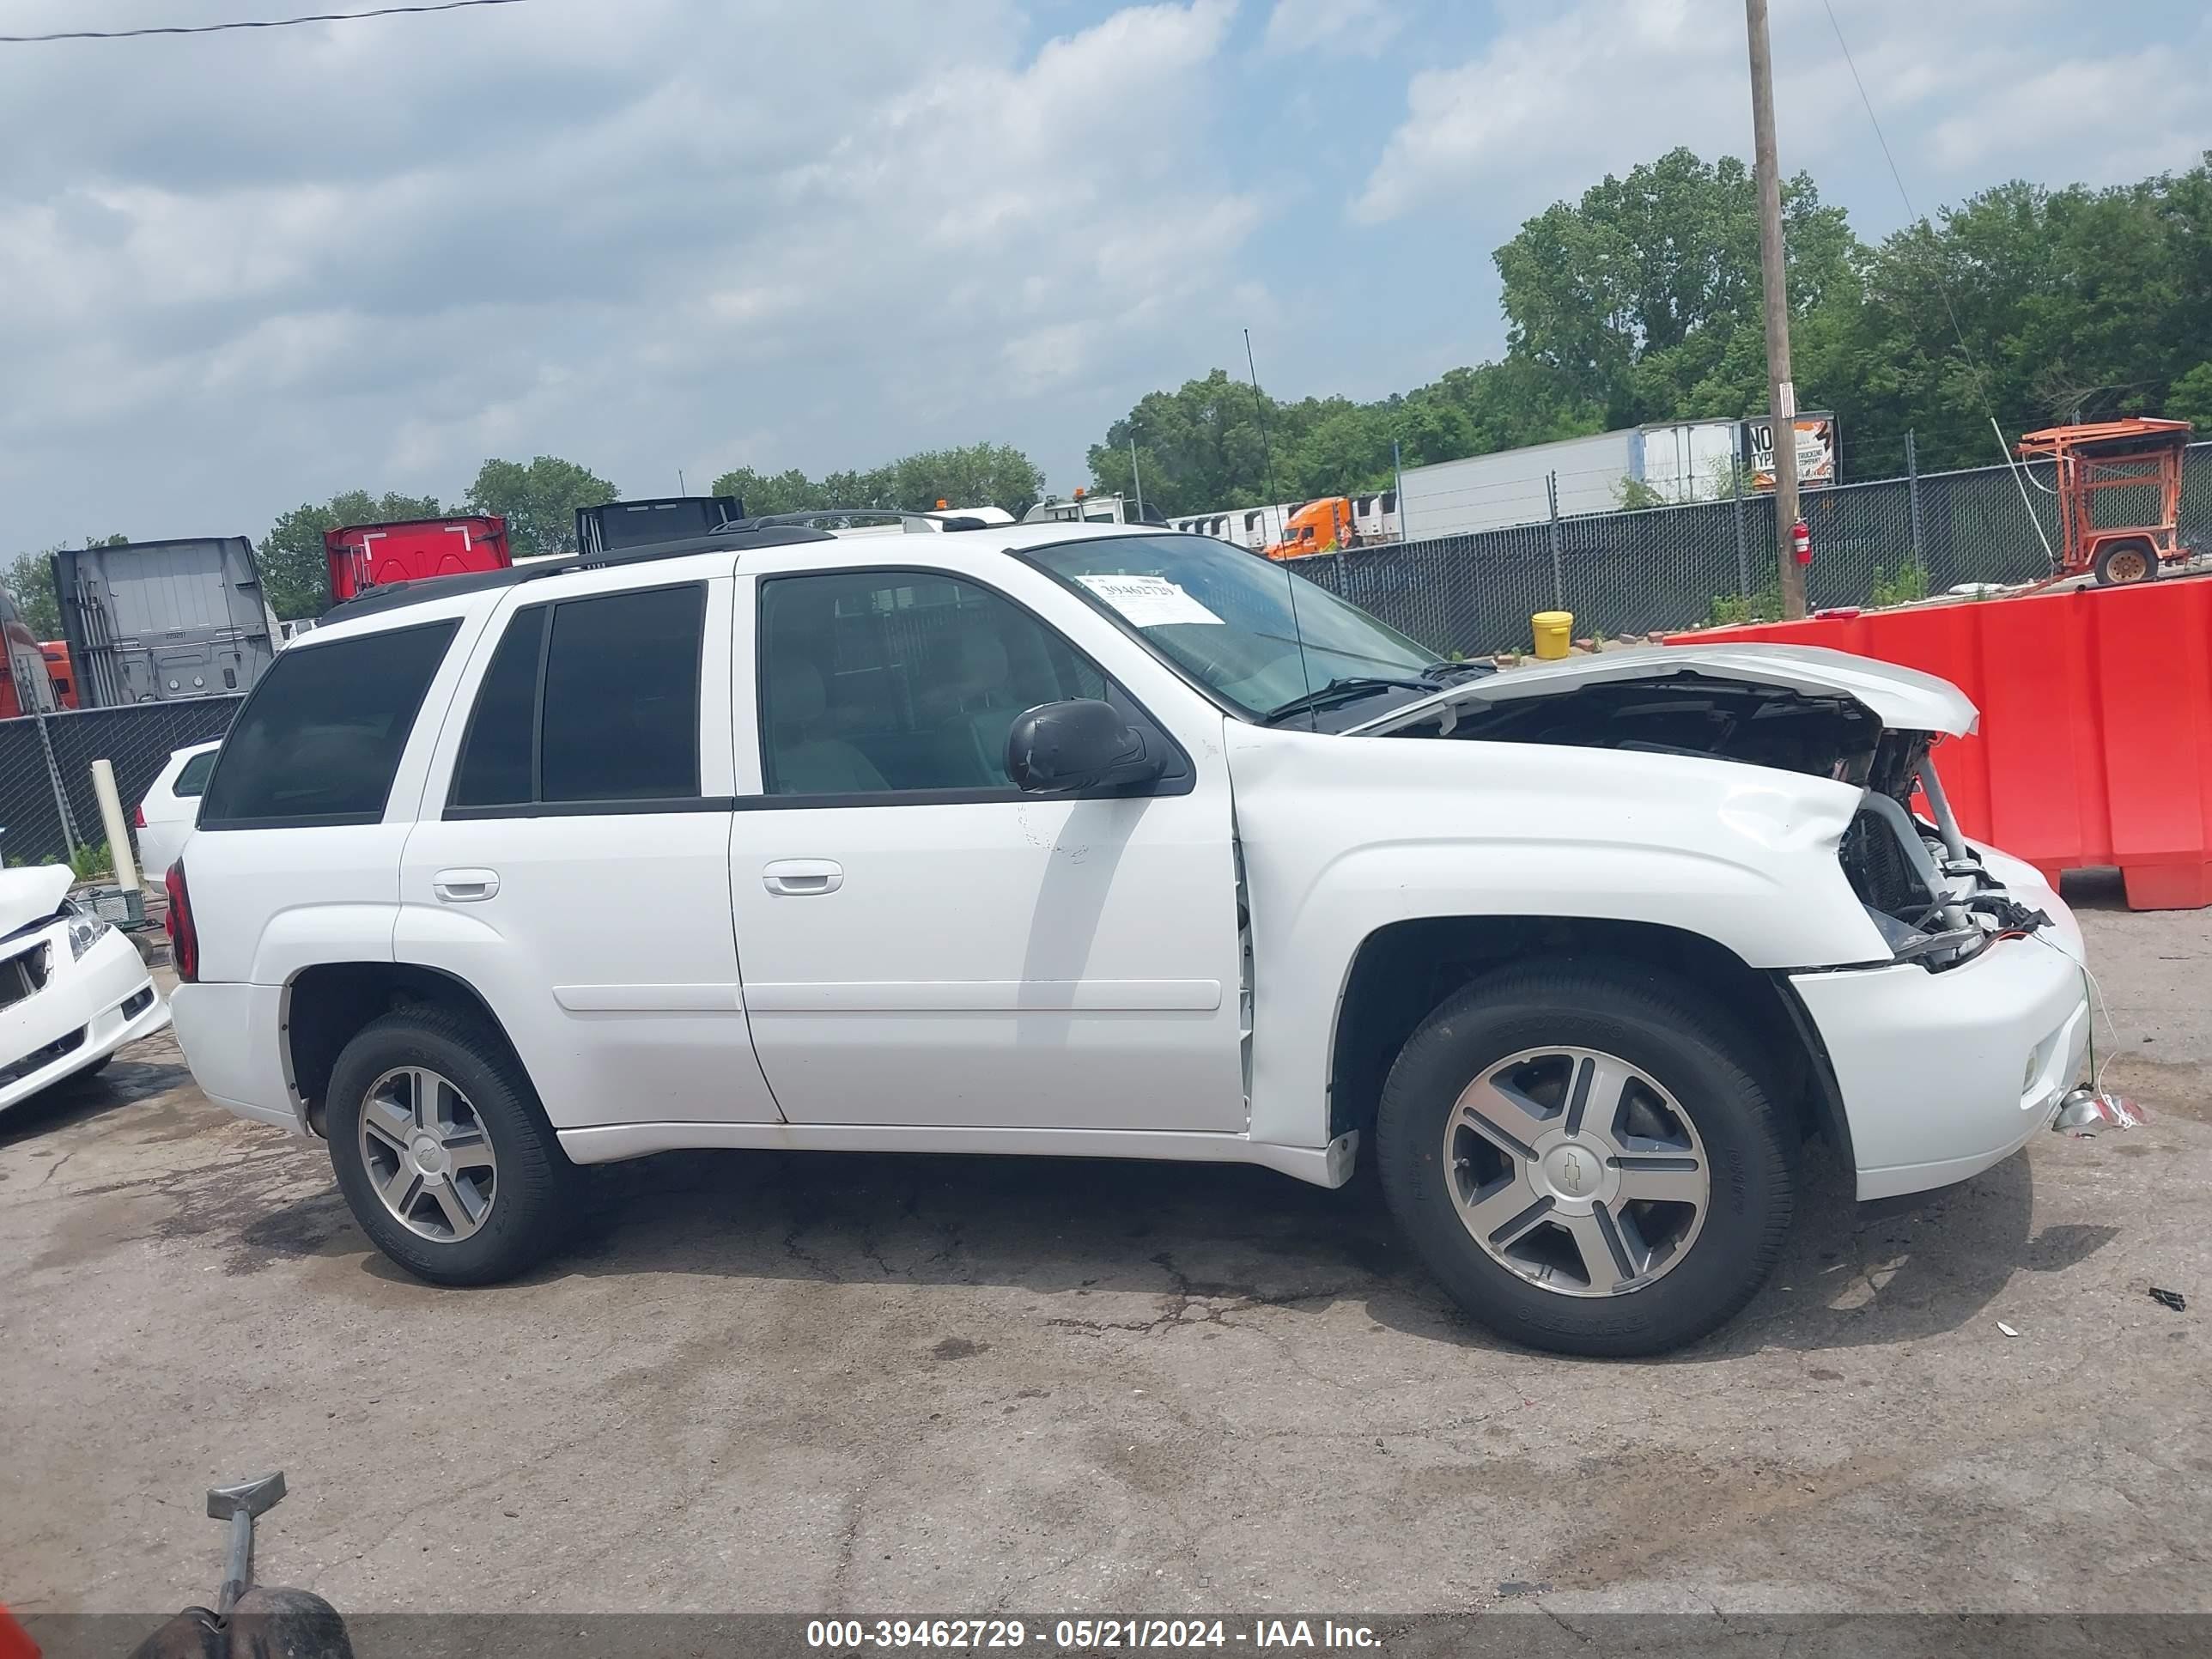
(1681, 461)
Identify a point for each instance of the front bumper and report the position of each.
(1944, 1075)
(89, 1007)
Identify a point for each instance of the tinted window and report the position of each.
(194, 777)
(621, 697)
(495, 768)
(320, 738)
(875, 681)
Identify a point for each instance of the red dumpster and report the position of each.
(365, 556)
(2095, 743)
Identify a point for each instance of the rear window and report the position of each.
(589, 702)
(194, 777)
(320, 738)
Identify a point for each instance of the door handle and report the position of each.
(802, 877)
(464, 886)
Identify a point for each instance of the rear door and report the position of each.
(572, 860)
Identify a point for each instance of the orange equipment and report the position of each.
(2135, 453)
(1320, 526)
(56, 652)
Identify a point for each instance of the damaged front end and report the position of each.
(1926, 888)
(1927, 892)
(1930, 893)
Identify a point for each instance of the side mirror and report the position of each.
(1059, 748)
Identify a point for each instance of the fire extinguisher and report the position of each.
(1801, 542)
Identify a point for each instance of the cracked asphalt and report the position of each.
(958, 1385)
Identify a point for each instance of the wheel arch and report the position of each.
(1403, 971)
(326, 1005)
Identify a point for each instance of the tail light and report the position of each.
(139, 816)
(183, 938)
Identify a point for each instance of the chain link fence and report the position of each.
(1667, 568)
(47, 806)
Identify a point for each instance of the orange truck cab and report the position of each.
(1319, 526)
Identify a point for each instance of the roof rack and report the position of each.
(737, 537)
(923, 522)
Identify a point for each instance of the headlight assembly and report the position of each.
(84, 928)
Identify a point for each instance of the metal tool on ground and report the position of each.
(261, 1620)
(238, 1505)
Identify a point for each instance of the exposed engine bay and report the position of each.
(1685, 713)
(1924, 888)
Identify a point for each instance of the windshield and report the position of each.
(1248, 630)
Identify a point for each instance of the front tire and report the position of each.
(442, 1152)
(1586, 1159)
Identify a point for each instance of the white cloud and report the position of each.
(674, 233)
(1967, 93)
(1360, 26)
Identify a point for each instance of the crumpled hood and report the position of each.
(1902, 699)
(31, 894)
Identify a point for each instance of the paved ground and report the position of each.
(860, 1382)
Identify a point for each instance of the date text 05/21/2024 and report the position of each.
(1085, 1635)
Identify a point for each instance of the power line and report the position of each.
(1943, 286)
(1943, 291)
(257, 23)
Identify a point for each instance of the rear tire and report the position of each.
(457, 1176)
(1653, 1183)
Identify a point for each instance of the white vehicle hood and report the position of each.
(31, 893)
(1902, 699)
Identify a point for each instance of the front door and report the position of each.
(921, 943)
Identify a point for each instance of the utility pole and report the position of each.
(1260, 414)
(1136, 478)
(1398, 472)
(1781, 392)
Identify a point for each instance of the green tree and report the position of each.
(791, 491)
(977, 475)
(2191, 399)
(30, 583)
(1635, 295)
(2072, 302)
(538, 499)
(1206, 445)
(295, 576)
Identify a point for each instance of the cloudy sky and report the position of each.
(244, 271)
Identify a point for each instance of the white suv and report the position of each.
(1108, 841)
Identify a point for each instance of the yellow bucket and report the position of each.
(1554, 631)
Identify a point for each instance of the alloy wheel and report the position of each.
(427, 1154)
(1577, 1170)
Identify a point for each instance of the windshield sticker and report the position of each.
(1149, 601)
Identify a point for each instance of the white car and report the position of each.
(1062, 840)
(164, 817)
(72, 989)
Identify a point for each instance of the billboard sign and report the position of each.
(1816, 451)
